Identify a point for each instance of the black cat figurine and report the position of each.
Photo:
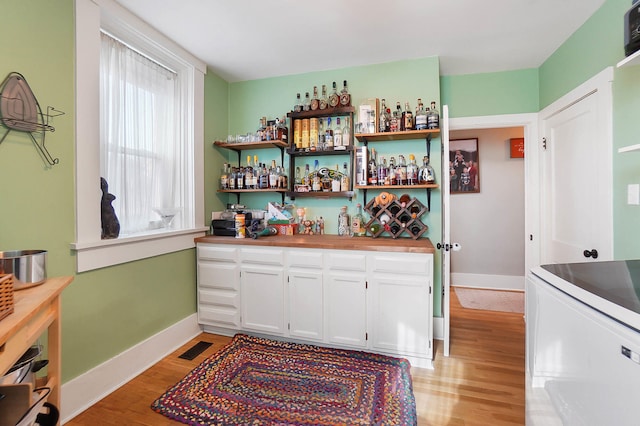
(110, 223)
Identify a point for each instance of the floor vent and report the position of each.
(195, 350)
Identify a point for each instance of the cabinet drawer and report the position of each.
(407, 264)
(217, 275)
(219, 316)
(229, 299)
(219, 253)
(262, 256)
(304, 259)
(346, 261)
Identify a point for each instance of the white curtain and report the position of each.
(143, 152)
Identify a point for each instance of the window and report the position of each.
(142, 131)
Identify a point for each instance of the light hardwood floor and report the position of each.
(480, 383)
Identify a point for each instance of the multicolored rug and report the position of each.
(253, 381)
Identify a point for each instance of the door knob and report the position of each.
(591, 253)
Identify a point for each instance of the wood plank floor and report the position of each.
(481, 383)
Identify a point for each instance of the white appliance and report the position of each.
(583, 344)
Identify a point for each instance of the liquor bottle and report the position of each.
(407, 117)
(396, 120)
(305, 134)
(273, 175)
(344, 223)
(412, 171)
(307, 175)
(372, 178)
(316, 184)
(344, 179)
(324, 101)
(335, 182)
(395, 228)
(404, 219)
(337, 136)
(334, 99)
(391, 172)
(298, 178)
(306, 104)
(401, 171)
(297, 107)
(232, 178)
(248, 174)
(346, 133)
(321, 135)
(357, 223)
(383, 122)
(345, 97)
(433, 119)
(382, 172)
(426, 174)
(315, 102)
(421, 116)
(240, 178)
(313, 134)
(281, 130)
(256, 170)
(262, 128)
(224, 177)
(415, 229)
(328, 135)
(283, 180)
(297, 134)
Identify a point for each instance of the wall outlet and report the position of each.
(633, 194)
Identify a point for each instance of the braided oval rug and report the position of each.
(254, 381)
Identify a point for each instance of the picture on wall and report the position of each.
(464, 166)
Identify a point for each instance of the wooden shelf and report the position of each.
(629, 148)
(396, 136)
(631, 60)
(320, 194)
(346, 151)
(251, 145)
(329, 112)
(237, 191)
(408, 187)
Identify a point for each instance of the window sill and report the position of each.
(99, 254)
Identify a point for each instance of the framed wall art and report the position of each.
(464, 165)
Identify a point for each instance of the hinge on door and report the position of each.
(366, 336)
(288, 326)
(429, 289)
(288, 279)
(544, 143)
(429, 344)
(366, 285)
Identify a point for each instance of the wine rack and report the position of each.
(396, 218)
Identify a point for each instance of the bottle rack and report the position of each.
(405, 218)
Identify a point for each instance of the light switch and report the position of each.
(633, 194)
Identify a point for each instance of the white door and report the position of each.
(576, 177)
(262, 301)
(446, 229)
(346, 307)
(306, 319)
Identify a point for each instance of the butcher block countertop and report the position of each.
(333, 242)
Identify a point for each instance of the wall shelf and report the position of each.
(631, 60)
(629, 148)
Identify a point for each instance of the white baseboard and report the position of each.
(496, 282)
(85, 390)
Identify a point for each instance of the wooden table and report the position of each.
(36, 310)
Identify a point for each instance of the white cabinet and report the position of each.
(369, 300)
(401, 303)
(306, 294)
(262, 289)
(218, 286)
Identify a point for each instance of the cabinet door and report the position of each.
(262, 302)
(306, 304)
(400, 314)
(346, 308)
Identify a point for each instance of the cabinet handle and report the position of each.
(591, 253)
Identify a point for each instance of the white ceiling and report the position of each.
(253, 39)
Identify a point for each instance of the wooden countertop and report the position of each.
(334, 242)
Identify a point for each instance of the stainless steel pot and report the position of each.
(29, 267)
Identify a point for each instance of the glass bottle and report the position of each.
(426, 174)
(313, 134)
(421, 116)
(344, 179)
(307, 175)
(321, 135)
(232, 178)
(282, 132)
(382, 172)
(401, 171)
(433, 119)
(344, 223)
(297, 107)
(357, 223)
(315, 102)
(298, 178)
(346, 132)
(412, 171)
(306, 105)
(372, 178)
(396, 120)
(334, 98)
(328, 135)
(273, 175)
(240, 178)
(407, 117)
(283, 180)
(316, 184)
(248, 174)
(345, 97)
(324, 101)
(391, 172)
(224, 177)
(335, 182)
(337, 136)
(383, 122)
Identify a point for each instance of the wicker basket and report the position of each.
(6, 295)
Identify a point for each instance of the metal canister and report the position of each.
(297, 133)
(305, 133)
(313, 133)
(241, 230)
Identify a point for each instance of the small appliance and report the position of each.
(632, 29)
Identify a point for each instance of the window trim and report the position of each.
(91, 251)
